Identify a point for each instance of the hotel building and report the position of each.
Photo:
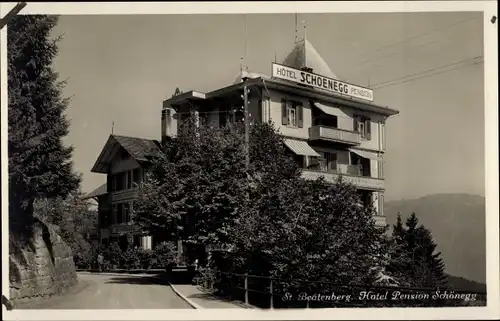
(332, 128)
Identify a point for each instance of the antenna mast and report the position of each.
(112, 127)
(296, 26)
(305, 29)
(246, 44)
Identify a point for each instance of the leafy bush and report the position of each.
(146, 258)
(165, 255)
(131, 259)
(114, 255)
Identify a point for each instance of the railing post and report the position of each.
(246, 288)
(271, 292)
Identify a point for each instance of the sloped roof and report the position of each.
(250, 75)
(305, 55)
(101, 190)
(137, 148)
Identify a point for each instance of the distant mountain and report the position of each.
(461, 284)
(457, 222)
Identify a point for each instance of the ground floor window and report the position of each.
(137, 241)
(123, 242)
(365, 198)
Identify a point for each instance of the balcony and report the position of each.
(320, 132)
(379, 220)
(124, 195)
(361, 182)
(124, 228)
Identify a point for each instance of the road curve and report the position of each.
(100, 291)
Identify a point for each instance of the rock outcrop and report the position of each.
(41, 266)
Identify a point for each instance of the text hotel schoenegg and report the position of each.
(321, 82)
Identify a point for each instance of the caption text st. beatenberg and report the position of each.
(381, 296)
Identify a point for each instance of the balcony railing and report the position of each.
(320, 132)
(361, 182)
(124, 195)
(124, 228)
(380, 220)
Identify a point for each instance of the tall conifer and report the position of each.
(39, 163)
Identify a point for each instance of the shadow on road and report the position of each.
(175, 277)
(145, 280)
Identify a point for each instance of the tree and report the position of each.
(75, 221)
(275, 222)
(195, 187)
(39, 163)
(414, 258)
(309, 230)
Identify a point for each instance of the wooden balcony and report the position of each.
(124, 195)
(361, 182)
(124, 228)
(348, 137)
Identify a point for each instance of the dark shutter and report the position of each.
(300, 115)
(355, 123)
(284, 115)
(368, 131)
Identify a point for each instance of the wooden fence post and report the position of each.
(246, 288)
(271, 292)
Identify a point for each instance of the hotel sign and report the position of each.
(321, 82)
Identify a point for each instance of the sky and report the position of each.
(120, 68)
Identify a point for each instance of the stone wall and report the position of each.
(40, 267)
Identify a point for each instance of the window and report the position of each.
(113, 183)
(137, 241)
(292, 113)
(123, 242)
(363, 165)
(119, 181)
(119, 213)
(361, 129)
(313, 163)
(329, 162)
(129, 179)
(319, 118)
(114, 214)
(300, 160)
(362, 125)
(126, 212)
(365, 198)
(137, 176)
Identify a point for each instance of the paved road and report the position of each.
(98, 291)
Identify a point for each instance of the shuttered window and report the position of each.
(284, 113)
(292, 113)
(362, 125)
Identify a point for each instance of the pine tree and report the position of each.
(39, 163)
(414, 259)
(398, 230)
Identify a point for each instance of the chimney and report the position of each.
(166, 120)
